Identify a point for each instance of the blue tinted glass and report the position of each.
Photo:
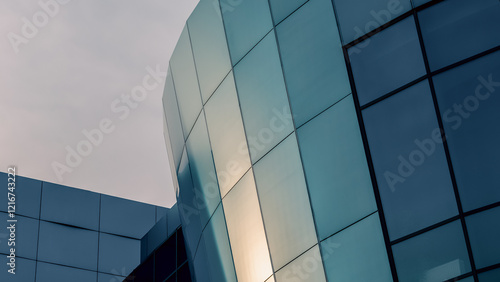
(263, 98)
(185, 82)
(358, 17)
(27, 194)
(315, 74)
(282, 8)
(227, 135)
(289, 225)
(484, 232)
(201, 266)
(174, 219)
(410, 164)
(218, 250)
(67, 245)
(336, 169)
(357, 253)
(469, 102)
(455, 30)
(173, 120)
(156, 236)
(386, 61)
(209, 46)
(26, 236)
(307, 267)
(102, 277)
(161, 212)
(417, 3)
(206, 187)
(70, 206)
(46, 272)
(490, 276)
(118, 253)
(24, 270)
(125, 217)
(246, 23)
(436, 255)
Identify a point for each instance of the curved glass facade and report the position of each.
(338, 140)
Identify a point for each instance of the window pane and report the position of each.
(67, 245)
(227, 135)
(118, 254)
(387, 61)
(437, 255)
(246, 23)
(313, 60)
(357, 253)
(469, 102)
(185, 82)
(181, 248)
(358, 17)
(336, 168)
(490, 276)
(26, 231)
(201, 266)
(246, 231)
(484, 232)
(70, 206)
(125, 217)
(410, 164)
(184, 274)
(101, 277)
(173, 120)
(209, 46)
(455, 30)
(263, 98)
(307, 267)
(27, 195)
(417, 3)
(165, 258)
(45, 273)
(25, 270)
(282, 8)
(289, 224)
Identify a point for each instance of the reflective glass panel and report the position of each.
(307, 267)
(484, 232)
(490, 276)
(47, 272)
(118, 253)
(102, 277)
(282, 8)
(161, 212)
(173, 120)
(24, 272)
(417, 3)
(201, 266)
(26, 236)
(27, 195)
(173, 219)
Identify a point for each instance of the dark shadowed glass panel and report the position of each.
(209, 46)
(118, 253)
(125, 217)
(27, 195)
(387, 61)
(184, 274)
(46, 272)
(490, 276)
(24, 272)
(282, 8)
(336, 169)
(165, 261)
(436, 255)
(173, 120)
(70, 206)
(26, 236)
(484, 231)
(410, 164)
(246, 23)
(313, 60)
(68, 245)
(307, 267)
(357, 253)
(181, 248)
(358, 17)
(284, 202)
(469, 103)
(143, 273)
(263, 98)
(156, 236)
(455, 30)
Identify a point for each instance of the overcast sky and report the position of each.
(64, 69)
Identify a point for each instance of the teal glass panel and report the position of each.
(201, 266)
(26, 236)
(118, 253)
(27, 194)
(102, 277)
(263, 98)
(283, 8)
(173, 120)
(307, 267)
(313, 61)
(484, 232)
(24, 270)
(284, 202)
(47, 272)
(490, 276)
(417, 3)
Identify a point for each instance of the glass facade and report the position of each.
(338, 140)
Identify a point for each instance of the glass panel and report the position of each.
(201, 266)
(358, 17)
(490, 276)
(161, 212)
(410, 164)
(183, 274)
(70, 206)
(246, 23)
(125, 217)
(165, 262)
(206, 188)
(315, 74)
(67, 245)
(285, 204)
(171, 110)
(156, 236)
(45, 273)
(307, 267)
(219, 256)
(186, 82)
(455, 30)
(437, 255)
(101, 277)
(282, 8)
(181, 248)
(173, 219)
(209, 46)
(271, 279)
(27, 195)
(246, 231)
(389, 60)
(357, 253)
(417, 3)
(145, 272)
(26, 236)
(118, 254)
(24, 270)
(336, 169)
(227, 135)
(263, 98)
(469, 102)
(484, 232)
